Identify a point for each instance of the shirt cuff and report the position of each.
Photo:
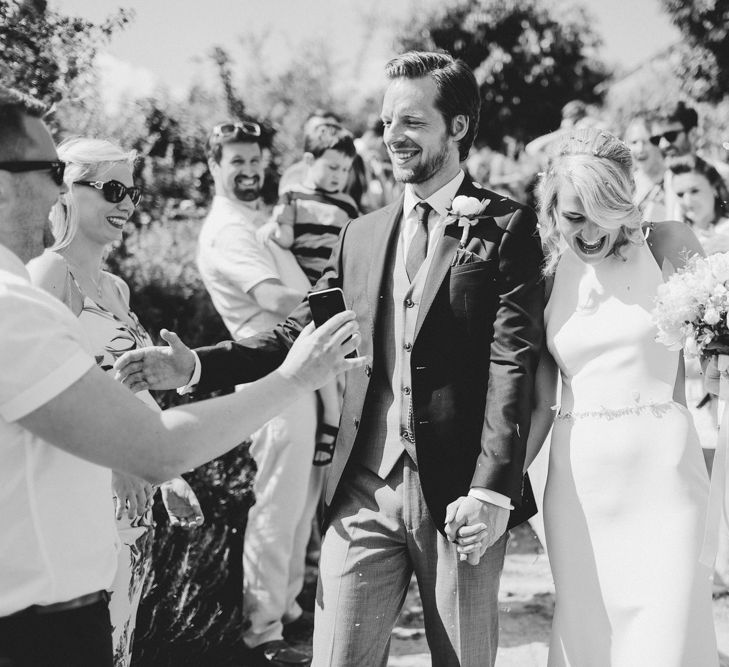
(48, 387)
(493, 497)
(194, 379)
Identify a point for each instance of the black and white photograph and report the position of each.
(338, 333)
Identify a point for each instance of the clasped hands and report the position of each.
(474, 525)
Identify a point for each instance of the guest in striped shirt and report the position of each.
(310, 215)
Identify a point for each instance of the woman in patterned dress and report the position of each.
(89, 218)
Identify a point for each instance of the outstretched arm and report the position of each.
(226, 363)
(158, 446)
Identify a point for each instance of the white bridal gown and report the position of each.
(627, 486)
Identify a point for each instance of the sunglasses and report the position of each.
(56, 167)
(669, 136)
(114, 191)
(246, 127)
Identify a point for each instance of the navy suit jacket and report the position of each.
(473, 359)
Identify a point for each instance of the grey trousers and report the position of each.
(380, 533)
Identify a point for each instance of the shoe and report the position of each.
(277, 653)
(300, 629)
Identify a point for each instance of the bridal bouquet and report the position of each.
(692, 306)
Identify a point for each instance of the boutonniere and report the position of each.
(467, 211)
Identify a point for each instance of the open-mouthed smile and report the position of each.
(590, 248)
(402, 155)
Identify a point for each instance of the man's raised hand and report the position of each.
(157, 367)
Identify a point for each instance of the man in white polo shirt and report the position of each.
(254, 286)
(58, 437)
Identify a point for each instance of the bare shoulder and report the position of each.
(50, 272)
(119, 284)
(674, 242)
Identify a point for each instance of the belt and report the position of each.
(68, 605)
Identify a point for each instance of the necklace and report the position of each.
(80, 273)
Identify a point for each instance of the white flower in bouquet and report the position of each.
(692, 306)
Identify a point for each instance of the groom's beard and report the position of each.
(421, 172)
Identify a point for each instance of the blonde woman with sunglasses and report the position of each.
(100, 200)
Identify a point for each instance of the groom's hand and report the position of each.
(157, 367)
(474, 525)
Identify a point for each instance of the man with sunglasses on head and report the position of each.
(675, 133)
(59, 439)
(254, 286)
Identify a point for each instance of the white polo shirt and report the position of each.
(232, 262)
(58, 539)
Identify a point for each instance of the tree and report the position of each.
(529, 59)
(46, 54)
(704, 62)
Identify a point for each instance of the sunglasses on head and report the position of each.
(669, 136)
(246, 127)
(56, 167)
(114, 191)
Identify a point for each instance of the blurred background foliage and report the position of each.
(530, 58)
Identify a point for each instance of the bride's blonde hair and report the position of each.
(599, 167)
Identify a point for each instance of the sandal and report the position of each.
(324, 450)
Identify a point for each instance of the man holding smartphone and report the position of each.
(433, 434)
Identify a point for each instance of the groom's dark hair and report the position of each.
(458, 92)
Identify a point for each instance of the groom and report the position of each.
(442, 414)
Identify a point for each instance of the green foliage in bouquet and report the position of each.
(191, 609)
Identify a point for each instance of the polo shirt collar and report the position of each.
(238, 206)
(11, 263)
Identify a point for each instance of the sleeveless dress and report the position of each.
(627, 487)
(110, 338)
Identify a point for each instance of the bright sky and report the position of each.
(169, 38)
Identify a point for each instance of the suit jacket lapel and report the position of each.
(383, 236)
(442, 258)
(444, 253)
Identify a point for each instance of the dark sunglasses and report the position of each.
(114, 191)
(57, 168)
(246, 127)
(669, 136)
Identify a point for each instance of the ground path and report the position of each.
(525, 612)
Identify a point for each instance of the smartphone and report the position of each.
(326, 304)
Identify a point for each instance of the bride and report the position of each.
(627, 486)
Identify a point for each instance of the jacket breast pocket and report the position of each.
(473, 290)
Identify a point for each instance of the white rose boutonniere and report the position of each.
(467, 211)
